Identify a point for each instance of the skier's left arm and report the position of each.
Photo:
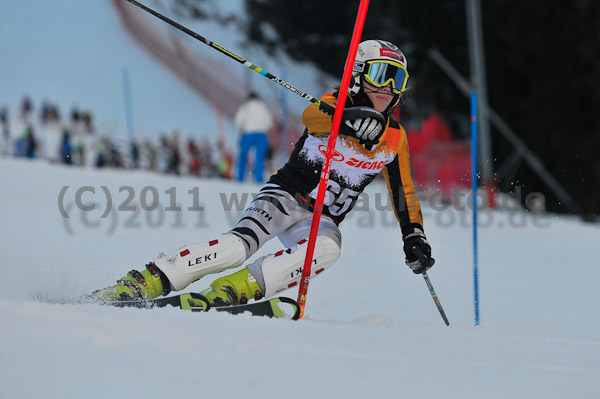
(408, 209)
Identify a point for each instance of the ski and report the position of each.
(273, 308)
(268, 308)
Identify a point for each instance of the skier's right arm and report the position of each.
(317, 122)
(363, 123)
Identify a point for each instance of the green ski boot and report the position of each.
(234, 289)
(148, 284)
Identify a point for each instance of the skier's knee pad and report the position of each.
(301, 230)
(192, 262)
(283, 270)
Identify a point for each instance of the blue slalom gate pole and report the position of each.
(474, 194)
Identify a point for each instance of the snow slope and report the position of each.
(371, 328)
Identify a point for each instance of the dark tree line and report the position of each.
(542, 60)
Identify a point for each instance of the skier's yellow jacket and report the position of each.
(353, 167)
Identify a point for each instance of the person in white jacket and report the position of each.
(254, 119)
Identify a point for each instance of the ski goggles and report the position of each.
(381, 73)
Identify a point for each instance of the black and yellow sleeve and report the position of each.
(402, 189)
(316, 121)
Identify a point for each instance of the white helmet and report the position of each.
(379, 50)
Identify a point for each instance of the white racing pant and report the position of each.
(273, 213)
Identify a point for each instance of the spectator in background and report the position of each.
(102, 152)
(75, 116)
(224, 164)
(194, 155)
(150, 155)
(26, 109)
(77, 144)
(254, 120)
(5, 130)
(65, 147)
(79, 150)
(108, 154)
(163, 154)
(54, 114)
(206, 158)
(174, 156)
(49, 113)
(114, 156)
(87, 121)
(30, 141)
(135, 154)
(45, 113)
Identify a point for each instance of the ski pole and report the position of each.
(435, 298)
(328, 109)
(428, 263)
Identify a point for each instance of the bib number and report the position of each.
(337, 199)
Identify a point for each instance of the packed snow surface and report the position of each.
(371, 328)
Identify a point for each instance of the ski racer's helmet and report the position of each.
(379, 63)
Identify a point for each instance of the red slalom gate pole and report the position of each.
(335, 127)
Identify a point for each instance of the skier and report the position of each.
(370, 142)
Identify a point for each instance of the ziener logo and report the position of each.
(337, 156)
(365, 165)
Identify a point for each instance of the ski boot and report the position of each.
(148, 284)
(234, 289)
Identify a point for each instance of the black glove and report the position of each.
(417, 249)
(364, 123)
